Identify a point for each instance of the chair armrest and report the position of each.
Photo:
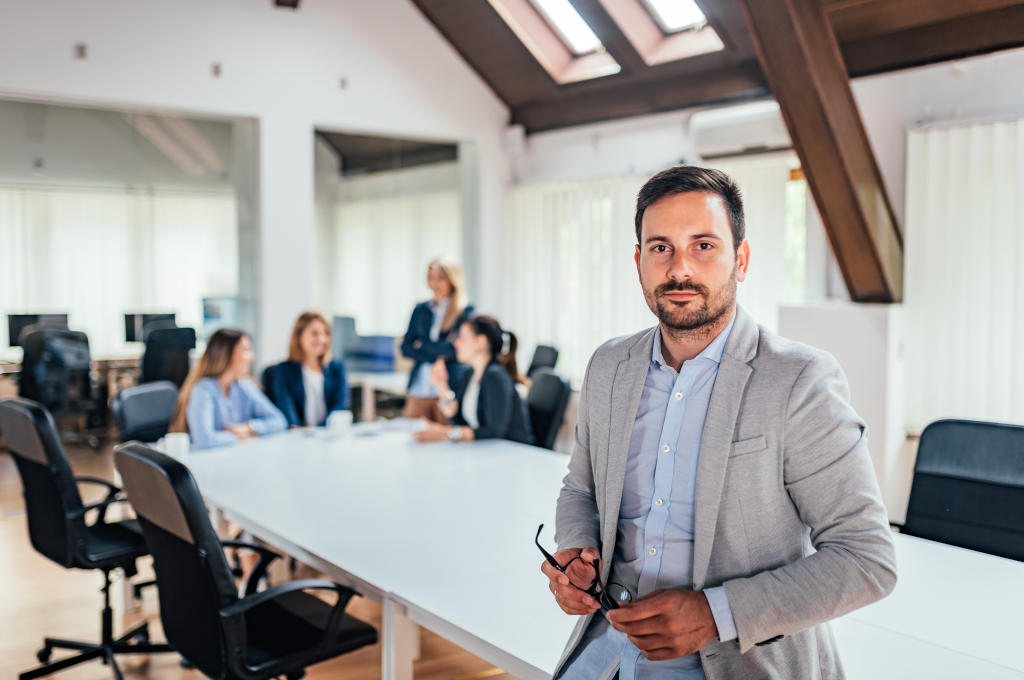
(266, 557)
(240, 607)
(102, 506)
(113, 488)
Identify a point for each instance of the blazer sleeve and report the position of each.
(415, 338)
(494, 409)
(577, 522)
(444, 346)
(200, 416)
(339, 399)
(265, 418)
(827, 472)
(281, 393)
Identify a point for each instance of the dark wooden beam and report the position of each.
(638, 97)
(801, 59)
(953, 38)
(610, 35)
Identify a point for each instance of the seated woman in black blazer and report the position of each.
(484, 403)
(309, 385)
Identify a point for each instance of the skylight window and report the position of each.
(676, 15)
(570, 25)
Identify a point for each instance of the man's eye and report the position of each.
(661, 248)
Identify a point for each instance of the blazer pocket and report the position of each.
(746, 446)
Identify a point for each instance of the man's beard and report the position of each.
(696, 313)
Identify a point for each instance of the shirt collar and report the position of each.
(439, 306)
(713, 351)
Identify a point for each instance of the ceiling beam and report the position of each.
(610, 35)
(800, 57)
(953, 38)
(634, 98)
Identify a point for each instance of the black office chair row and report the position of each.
(265, 634)
(968, 487)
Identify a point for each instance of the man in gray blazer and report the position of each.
(720, 505)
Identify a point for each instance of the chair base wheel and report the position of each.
(44, 654)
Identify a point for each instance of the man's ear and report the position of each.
(742, 260)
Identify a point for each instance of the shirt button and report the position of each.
(658, 501)
(666, 448)
(679, 395)
(652, 551)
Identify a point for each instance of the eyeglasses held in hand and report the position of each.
(585, 576)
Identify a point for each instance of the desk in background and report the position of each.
(442, 535)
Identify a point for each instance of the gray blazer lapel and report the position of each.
(716, 440)
(627, 387)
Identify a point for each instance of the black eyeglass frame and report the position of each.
(595, 589)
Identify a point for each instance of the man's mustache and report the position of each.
(677, 286)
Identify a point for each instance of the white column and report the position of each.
(286, 231)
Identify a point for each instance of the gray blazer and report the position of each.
(788, 515)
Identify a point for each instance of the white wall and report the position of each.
(85, 147)
(280, 67)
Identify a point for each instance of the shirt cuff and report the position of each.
(722, 611)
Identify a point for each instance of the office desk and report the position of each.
(393, 382)
(442, 535)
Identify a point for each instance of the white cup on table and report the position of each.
(339, 422)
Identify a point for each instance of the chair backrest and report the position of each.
(545, 356)
(192, 575)
(55, 367)
(166, 354)
(547, 400)
(968, 487)
(267, 379)
(48, 485)
(144, 412)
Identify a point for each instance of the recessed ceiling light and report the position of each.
(676, 15)
(569, 24)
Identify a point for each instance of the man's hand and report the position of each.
(666, 624)
(572, 600)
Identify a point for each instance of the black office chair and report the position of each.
(166, 353)
(545, 356)
(56, 372)
(279, 631)
(547, 400)
(58, 530)
(267, 378)
(144, 412)
(968, 487)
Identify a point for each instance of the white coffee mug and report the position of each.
(177, 445)
(339, 421)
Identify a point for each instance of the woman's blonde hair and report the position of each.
(295, 352)
(453, 273)
(212, 364)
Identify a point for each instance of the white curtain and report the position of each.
(572, 279)
(964, 297)
(381, 250)
(99, 253)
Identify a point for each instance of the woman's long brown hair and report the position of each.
(214, 362)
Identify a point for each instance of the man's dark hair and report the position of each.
(684, 179)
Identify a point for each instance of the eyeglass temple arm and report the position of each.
(548, 556)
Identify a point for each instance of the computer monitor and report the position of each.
(16, 323)
(344, 338)
(135, 325)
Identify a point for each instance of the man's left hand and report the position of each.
(666, 624)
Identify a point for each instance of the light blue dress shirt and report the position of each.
(654, 545)
(421, 385)
(209, 411)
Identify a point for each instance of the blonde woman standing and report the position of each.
(432, 330)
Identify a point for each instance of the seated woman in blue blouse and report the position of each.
(484, 403)
(219, 403)
(310, 385)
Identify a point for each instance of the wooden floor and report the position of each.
(38, 598)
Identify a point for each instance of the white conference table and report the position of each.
(442, 535)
